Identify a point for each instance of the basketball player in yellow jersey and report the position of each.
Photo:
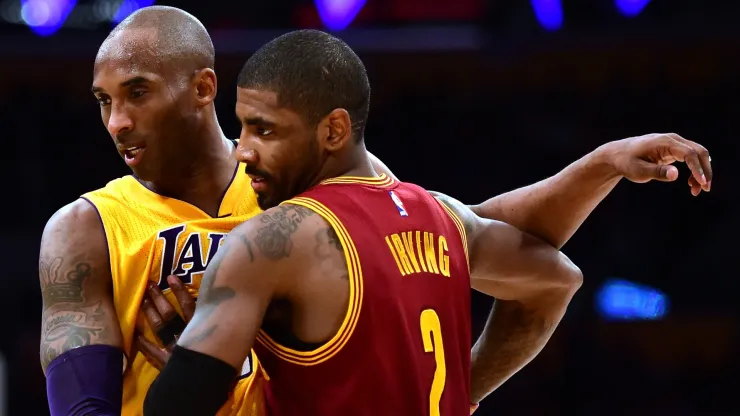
(145, 241)
(154, 80)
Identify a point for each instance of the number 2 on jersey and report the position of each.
(431, 334)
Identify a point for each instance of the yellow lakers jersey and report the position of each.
(150, 237)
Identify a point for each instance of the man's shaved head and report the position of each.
(159, 35)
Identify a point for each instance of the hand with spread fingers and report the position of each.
(164, 320)
(650, 157)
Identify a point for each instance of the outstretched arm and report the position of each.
(255, 264)
(532, 282)
(81, 343)
(554, 208)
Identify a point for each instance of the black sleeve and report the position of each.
(190, 371)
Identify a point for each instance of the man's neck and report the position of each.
(355, 163)
(204, 179)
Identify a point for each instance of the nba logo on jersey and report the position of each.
(399, 204)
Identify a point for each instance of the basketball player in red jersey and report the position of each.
(354, 303)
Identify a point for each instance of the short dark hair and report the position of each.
(312, 73)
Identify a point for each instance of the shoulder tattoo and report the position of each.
(274, 237)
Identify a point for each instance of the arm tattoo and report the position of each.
(68, 321)
(248, 245)
(209, 294)
(56, 288)
(68, 329)
(327, 237)
(210, 297)
(513, 336)
(327, 245)
(274, 238)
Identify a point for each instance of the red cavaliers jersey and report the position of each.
(404, 346)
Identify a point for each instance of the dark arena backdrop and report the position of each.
(472, 98)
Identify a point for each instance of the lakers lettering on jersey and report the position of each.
(150, 237)
(187, 259)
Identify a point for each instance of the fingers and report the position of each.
(164, 307)
(705, 161)
(684, 153)
(695, 187)
(154, 355)
(663, 173)
(152, 315)
(187, 302)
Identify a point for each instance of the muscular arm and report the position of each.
(78, 311)
(256, 264)
(554, 208)
(551, 209)
(532, 283)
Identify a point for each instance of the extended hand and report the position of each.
(164, 320)
(644, 158)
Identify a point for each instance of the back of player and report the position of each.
(404, 346)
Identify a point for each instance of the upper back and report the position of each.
(421, 235)
(406, 336)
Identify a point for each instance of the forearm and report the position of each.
(189, 370)
(514, 334)
(554, 208)
(86, 381)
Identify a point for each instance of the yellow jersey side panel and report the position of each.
(150, 237)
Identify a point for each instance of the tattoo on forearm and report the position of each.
(513, 336)
(68, 321)
(274, 238)
(329, 252)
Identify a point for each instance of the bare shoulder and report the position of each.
(74, 234)
(471, 221)
(78, 217)
(75, 281)
(292, 238)
(277, 232)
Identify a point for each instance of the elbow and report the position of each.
(562, 283)
(570, 276)
(575, 279)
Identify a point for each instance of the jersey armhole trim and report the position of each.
(110, 262)
(354, 269)
(460, 229)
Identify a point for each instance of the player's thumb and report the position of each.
(650, 171)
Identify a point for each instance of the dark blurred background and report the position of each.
(472, 98)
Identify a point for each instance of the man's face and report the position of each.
(141, 104)
(281, 151)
